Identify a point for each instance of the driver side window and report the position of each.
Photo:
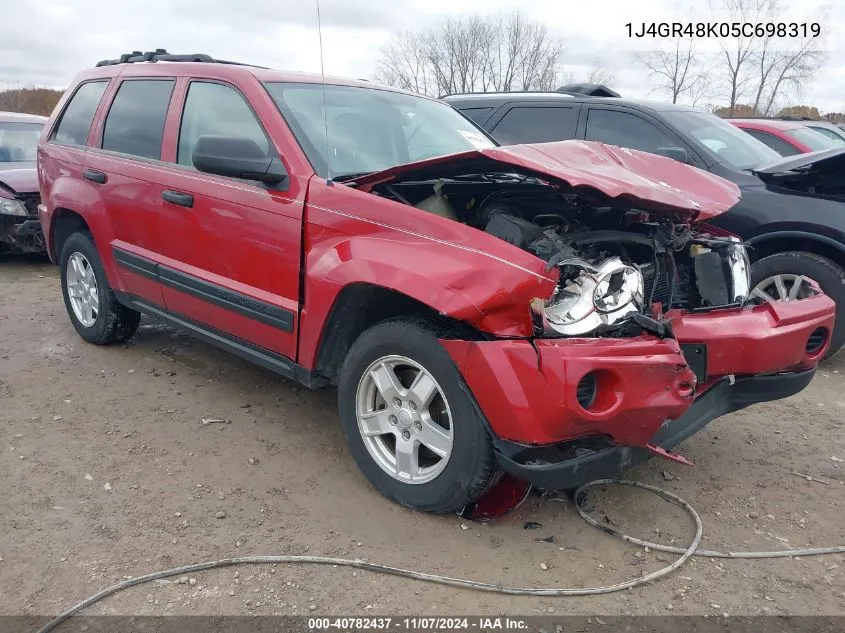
(625, 130)
(212, 108)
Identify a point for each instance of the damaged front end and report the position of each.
(621, 282)
(649, 332)
(20, 229)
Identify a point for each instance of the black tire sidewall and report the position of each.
(82, 243)
(829, 276)
(470, 463)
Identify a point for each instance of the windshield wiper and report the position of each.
(351, 176)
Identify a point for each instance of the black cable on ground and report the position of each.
(690, 551)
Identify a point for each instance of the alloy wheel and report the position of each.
(404, 419)
(82, 289)
(784, 287)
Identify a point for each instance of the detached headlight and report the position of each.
(592, 296)
(11, 207)
(740, 269)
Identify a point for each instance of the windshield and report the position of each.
(812, 139)
(728, 143)
(370, 129)
(18, 141)
(832, 133)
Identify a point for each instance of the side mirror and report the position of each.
(237, 157)
(677, 153)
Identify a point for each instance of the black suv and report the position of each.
(792, 211)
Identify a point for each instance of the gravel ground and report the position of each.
(108, 472)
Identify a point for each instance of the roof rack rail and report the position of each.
(589, 90)
(161, 55)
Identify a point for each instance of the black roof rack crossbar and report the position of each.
(161, 55)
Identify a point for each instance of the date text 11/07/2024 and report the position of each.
(723, 29)
(416, 623)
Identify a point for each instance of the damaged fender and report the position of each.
(488, 285)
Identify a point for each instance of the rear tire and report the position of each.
(92, 306)
(427, 414)
(792, 264)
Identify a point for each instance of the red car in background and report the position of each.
(20, 230)
(787, 138)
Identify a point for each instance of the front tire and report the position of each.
(92, 306)
(411, 426)
(781, 277)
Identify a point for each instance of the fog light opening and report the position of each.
(816, 341)
(586, 391)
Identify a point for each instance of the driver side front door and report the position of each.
(230, 248)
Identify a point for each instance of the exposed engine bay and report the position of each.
(619, 267)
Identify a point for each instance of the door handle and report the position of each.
(178, 198)
(95, 176)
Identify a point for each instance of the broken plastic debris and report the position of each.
(532, 525)
(207, 421)
(675, 457)
(547, 539)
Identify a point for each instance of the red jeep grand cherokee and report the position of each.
(557, 311)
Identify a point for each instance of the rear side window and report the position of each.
(625, 130)
(212, 108)
(76, 120)
(781, 147)
(477, 114)
(536, 125)
(135, 122)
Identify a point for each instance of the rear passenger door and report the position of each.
(229, 248)
(535, 123)
(124, 168)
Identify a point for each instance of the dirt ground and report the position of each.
(107, 472)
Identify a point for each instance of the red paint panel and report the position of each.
(529, 395)
(762, 340)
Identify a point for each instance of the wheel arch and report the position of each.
(783, 241)
(65, 223)
(360, 305)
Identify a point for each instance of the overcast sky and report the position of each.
(46, 41)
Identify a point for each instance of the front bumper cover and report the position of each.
(528, 391)
(724, 397)
(21, 234)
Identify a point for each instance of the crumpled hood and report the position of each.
(639, 179)
(826, 160)
(21, 178)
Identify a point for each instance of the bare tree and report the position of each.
(597, 74)
(755, 68)
(781, 70)
(474, 53)
(28, 99)
(738, 54)
(678, 71)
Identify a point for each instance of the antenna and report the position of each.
(325, 110)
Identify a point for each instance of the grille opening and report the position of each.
(816, 340)
(587, 390)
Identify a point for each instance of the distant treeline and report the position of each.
(29, 100)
